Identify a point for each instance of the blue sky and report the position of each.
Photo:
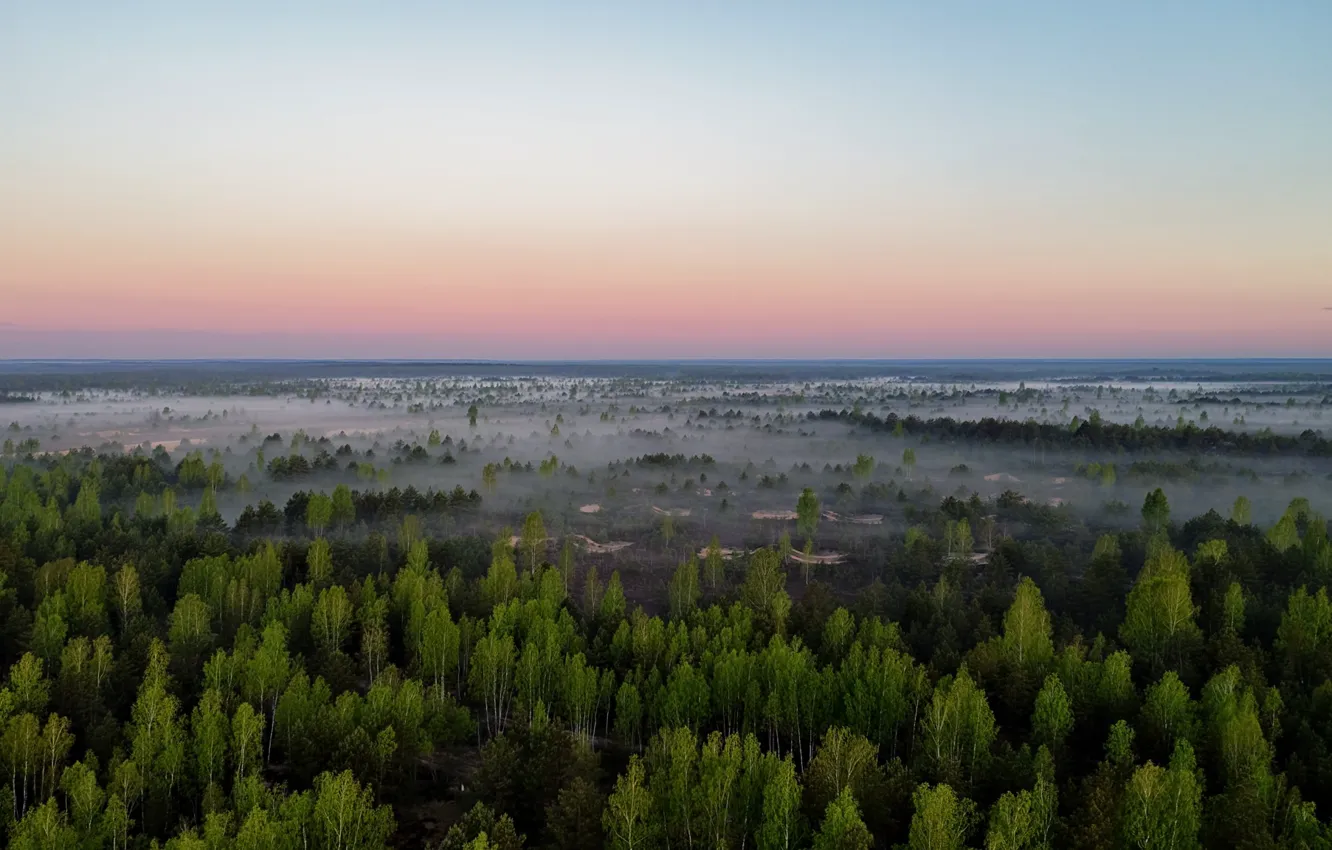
(527, 175)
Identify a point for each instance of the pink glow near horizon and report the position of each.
(664, 188)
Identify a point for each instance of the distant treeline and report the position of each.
(662, 459)
(370, 507)
(1102, 435)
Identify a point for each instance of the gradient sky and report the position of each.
(685, 179)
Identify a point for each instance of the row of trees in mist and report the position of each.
(1092, 433)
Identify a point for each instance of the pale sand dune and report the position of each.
(515, 540)
(855, 519)
(672, 511)
(602, 548)
(725, 553)
(823, 558)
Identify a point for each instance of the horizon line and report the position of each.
(466, 361)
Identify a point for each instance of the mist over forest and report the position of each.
(726, 604)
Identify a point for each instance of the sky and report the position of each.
(665, 180)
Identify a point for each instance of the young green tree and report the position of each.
(344, 508)
(1024, 820)
(667, 530)
(247, 740)
(613, 603)
(211, 733)
(781, 827)
(345, 815)
(440, 648)
(1159, 622)
(909, 461)
(628, 810)
(1232, 609)
(713, 564)
(807, 513)
(84, 795)
(672, 760)
(43, 828)
(319, 513)
(684, 591)
(842, 827)
(1155, 511)
(266, 676)
(863, 467)
(764, 590)
(958, 540)
(155, 730)
(331, 620)
(568, 565)
(1026, 642)
(86, 512)
(1163, 806)
(942, 820)
(125, 595)
(28, 686)
(958, 728)
(533, 541)
(491, 677)
(1304, 638)
(592, 593)
(319, 563)
(1241, 513)
(189, 631)
(844, 761)
(22, 749)
(1052, 719)
(501, 580)
(1169, 714)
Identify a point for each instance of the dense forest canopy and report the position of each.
(423, 637)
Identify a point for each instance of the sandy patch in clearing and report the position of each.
(825, 558)
(590, 509)
(856, 519)
(515, 540)
(725, 553)
(1003, 476)
(602, 548)
(782, 515)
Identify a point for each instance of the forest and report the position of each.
(179, 683)
(410, 637)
